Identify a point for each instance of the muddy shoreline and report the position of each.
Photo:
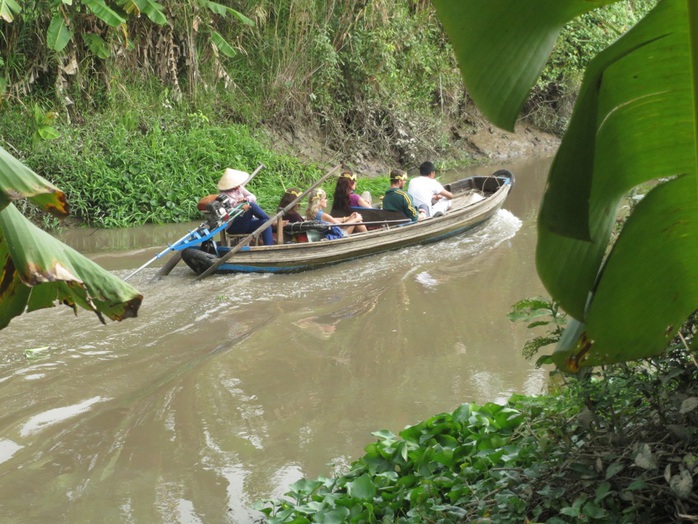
(482, 144)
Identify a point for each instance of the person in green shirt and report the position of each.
(396, 199)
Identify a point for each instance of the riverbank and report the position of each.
(611, 446)
(124, 170)
(478, 143)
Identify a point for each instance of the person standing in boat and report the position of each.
(345, 198)
(253, 216)
(318, 201)
(397, 199)
(428, 193)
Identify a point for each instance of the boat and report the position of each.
(476, 200)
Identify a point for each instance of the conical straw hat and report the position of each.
(232, 178)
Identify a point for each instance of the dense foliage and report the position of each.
(129, 170)
(372, 79)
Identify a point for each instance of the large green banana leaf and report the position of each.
(38, 271)
(634, 121)
(17, 181)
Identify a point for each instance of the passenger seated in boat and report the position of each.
(428, 193)
(318, 201)
(397, 199)
(345, 198)
(292, 215)
(253, 216)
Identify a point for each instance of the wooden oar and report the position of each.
(168, 266)
(177, 256)
(245, 241)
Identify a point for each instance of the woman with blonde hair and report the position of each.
(316, 204)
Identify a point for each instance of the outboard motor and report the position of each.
(218, 211)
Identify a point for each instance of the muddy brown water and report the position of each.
(225, 391)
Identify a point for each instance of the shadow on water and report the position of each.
(225, 391)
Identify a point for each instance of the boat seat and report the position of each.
(229, 240)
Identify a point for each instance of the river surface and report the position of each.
(225, 391)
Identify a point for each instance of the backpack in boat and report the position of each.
(333, 233)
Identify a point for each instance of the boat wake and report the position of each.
(460, 248)
(177, 304)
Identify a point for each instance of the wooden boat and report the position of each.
(476, 200)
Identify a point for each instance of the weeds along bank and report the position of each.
(129, 170)
(116, 174)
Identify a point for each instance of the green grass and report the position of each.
(127, 169)
(118, 175)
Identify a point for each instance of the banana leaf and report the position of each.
(58, 34)
(153, 9)
(8, 10)
(634, 122)
(17, 181)
(37, 270)
(105, 13)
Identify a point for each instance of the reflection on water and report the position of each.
(7, 449)
(54, 416)
(225, 391)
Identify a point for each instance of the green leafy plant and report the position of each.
(39, 271)
(9, 9)
(539, 312)
(615, 427)
(43, 125)
(634, 121)
(439, 470)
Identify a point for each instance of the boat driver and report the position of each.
(231, 185)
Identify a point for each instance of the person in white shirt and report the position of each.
(428, 193)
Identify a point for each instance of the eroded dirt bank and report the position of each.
(481, 144)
